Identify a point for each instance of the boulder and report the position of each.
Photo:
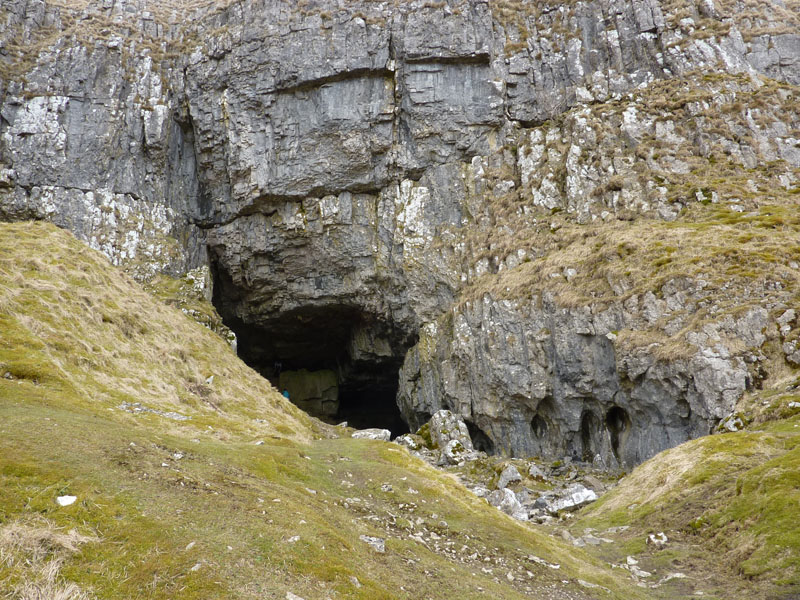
(374, 433)
(507, 501)
(509, 475)
(411, 441)
(455, 453)
(569, 499)
(446, 426)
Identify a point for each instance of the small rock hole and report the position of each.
(480, 441)
(590, 427)
(618, 423)
(539, 426)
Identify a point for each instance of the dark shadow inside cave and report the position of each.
(618, 423)
(373, 406)
(590, 429)
(539, 426)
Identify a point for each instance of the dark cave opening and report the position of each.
(336, 362)
(480, 441)
(374, 406)
(590, 428)
(539, 426)
(618, 423)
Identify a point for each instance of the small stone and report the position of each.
(189, 546)
(657, 539)
(291, 596)
(534, 472)
(293, 539)
(66, 500)
(196, 567)
(210, 380)
(732, 423)
(379, 544)
(259, 442)
(354, 580)
(411, 441)
(386, 487)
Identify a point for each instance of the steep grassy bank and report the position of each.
(194, 487)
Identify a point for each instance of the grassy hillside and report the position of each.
(188, 487)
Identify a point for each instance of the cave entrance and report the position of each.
(335, 361)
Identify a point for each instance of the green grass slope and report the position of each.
(194, 489)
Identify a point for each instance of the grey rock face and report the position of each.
(554, 384)
(338, 166)
(94, 141)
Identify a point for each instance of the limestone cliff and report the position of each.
(573, 223)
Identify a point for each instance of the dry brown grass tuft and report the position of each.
(36, 552)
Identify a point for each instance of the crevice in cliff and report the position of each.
(618, 423)
(310, 84)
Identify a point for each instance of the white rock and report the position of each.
(373, 434)
(536, 473)
(410, 441)
(66, 500)
(509, 475)
(657, 539)
(291, 596)
(454, 453)
(446, 426)
(379, 544)
(573, 497)
(507, 501)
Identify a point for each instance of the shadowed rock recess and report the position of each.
(489, 207)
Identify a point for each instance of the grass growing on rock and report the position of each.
(244, 499)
